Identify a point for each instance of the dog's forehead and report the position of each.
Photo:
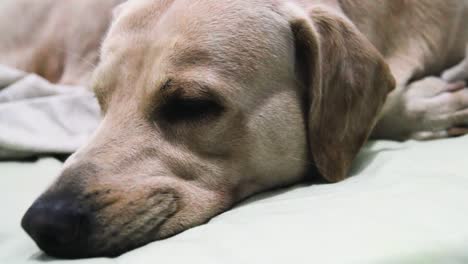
(218, 26)
(236, 39)
(145, 13)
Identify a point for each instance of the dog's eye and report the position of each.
(187, 109)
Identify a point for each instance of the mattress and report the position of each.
(405, 203)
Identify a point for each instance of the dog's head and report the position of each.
(205, 103)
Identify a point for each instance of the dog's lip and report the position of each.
(121, 246)
(162, 205)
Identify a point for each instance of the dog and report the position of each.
(208, 102)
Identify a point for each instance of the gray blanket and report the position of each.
(37, 117)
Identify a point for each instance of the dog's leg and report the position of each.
(439, 108)
(428, 108)
(458, 72)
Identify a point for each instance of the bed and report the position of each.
(405, 203)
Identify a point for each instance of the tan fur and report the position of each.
(300, 85)
(58, 40)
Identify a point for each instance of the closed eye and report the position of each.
(190, 109)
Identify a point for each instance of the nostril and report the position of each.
(55, 224)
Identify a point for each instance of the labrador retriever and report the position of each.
(208, 102)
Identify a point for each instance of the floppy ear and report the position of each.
(347, 81)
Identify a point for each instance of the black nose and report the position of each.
(58, 225)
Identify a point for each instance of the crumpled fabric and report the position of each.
(38, 117)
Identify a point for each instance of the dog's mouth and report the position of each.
(129, 225)
(69, 228)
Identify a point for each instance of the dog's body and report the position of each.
(58, 40)
(417, 39)
(205, 100)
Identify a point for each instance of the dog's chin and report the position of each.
(127, 246)
(136, 233)
(122, 248)
(171, 225)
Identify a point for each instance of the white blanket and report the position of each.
(406, 203)
(38, 117)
